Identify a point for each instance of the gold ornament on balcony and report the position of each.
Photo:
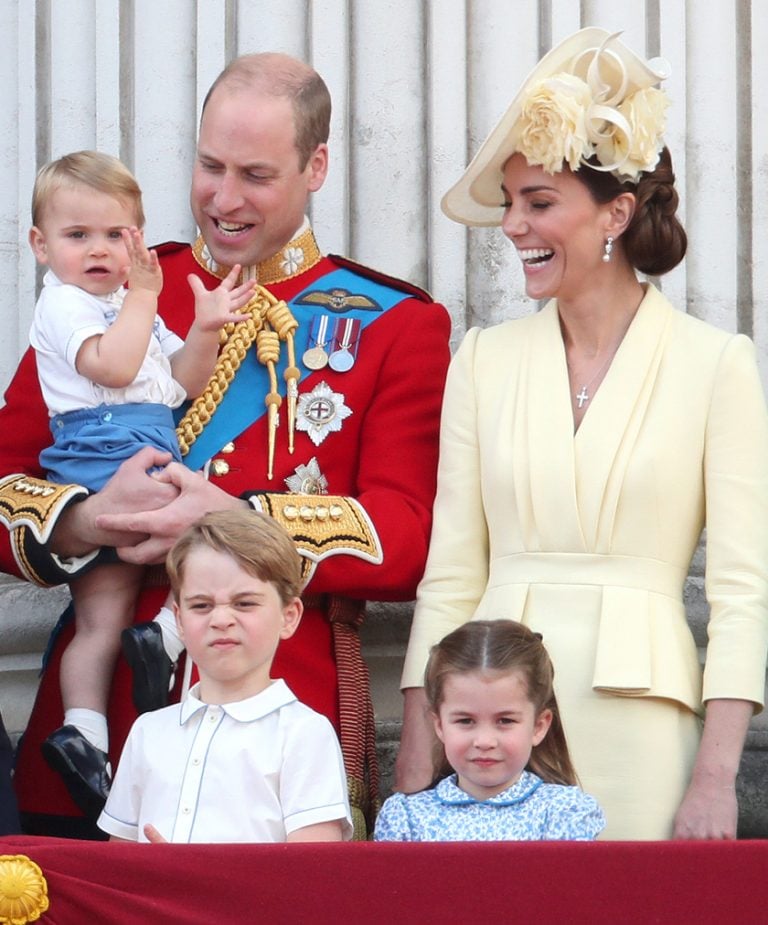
(23, 890)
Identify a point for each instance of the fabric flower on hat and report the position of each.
(552, 124)
(645, 113)
(564, 119)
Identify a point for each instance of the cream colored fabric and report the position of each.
(588, 538)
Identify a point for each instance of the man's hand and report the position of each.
(130, 489)
(161, 526)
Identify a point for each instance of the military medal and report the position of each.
(316, 357)
(345, 337)
(321, 412)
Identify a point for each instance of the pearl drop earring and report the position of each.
(608, 248)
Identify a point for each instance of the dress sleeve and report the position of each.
(573, 816)
(457, 567)
(736, 487)
(313, 783)
(392, 821)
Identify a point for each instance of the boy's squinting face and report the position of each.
(80, 238)
(488, 727)
(231, 623)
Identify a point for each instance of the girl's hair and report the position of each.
(102, 172)
(258, 543)
(655, 240)
(501, 646)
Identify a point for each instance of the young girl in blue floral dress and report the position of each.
(490, 693)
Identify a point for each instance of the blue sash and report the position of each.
(243, 402)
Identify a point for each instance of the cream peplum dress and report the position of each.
(588, 538)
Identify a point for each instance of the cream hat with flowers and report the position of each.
(589, 97)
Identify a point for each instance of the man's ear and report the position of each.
(317, 167)
(37, 243)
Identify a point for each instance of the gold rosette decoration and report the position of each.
(23, 890)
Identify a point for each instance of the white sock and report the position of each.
(91, 724)
(171, 641)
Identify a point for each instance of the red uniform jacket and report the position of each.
(384, 455)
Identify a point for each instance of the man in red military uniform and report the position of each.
(323, 412)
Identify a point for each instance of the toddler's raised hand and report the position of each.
(144, 270)
(216, 307)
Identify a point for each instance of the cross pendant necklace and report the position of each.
(583, 396)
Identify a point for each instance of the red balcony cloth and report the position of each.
(617, 883)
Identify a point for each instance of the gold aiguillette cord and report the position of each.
(280, 318)
(262, 314)
(268, 353)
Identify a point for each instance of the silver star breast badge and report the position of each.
(321, 412)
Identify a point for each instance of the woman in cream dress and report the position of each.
(584, 448)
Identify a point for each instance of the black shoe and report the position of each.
(83, 767)
(152, 668)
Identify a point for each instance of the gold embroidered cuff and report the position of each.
(30, 508)
(323, 526)
(35, 503)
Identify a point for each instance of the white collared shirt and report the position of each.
(250, 771)
(65, 317)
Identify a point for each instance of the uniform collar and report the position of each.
(300, 254)
(449, 792)
(277, 695)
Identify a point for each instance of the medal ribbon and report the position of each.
(319, 333)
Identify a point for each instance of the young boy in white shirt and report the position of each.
(239, 759)
(110, 373)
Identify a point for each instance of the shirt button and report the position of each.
(107, 416)
(186, 810)
(219, 467)
(195, 761)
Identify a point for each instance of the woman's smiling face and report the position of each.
(558, 229)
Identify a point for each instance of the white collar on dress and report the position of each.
(449, 792)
